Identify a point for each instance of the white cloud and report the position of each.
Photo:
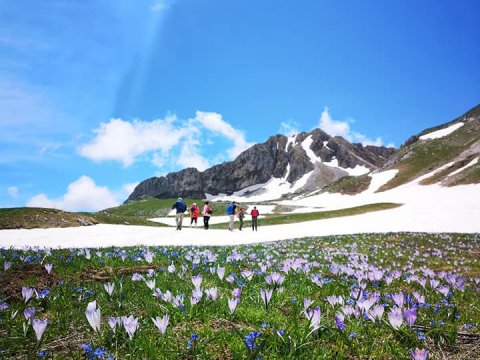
(13, 191)
(342, 128)
(166, 143)
(289, 128)
(215, 123)
(82, 195)
(124, 141)
(190, 155)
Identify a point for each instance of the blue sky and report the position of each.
(96, 96)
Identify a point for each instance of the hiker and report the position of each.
(230, 210)
(194, 211)
(254, 213)
(181, 208)
(241, 215)
(207, 213)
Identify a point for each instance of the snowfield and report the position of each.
(431, 208)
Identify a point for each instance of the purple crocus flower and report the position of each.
(220, 272)
(29, 314)
(377, 312)
(197, 281)
(313, 317)
(266, 296)
(332, 300)
(247, 274)
(232, 305)
(130, 324)
(420, 298)
(6, 265)
(171, 269)
(113, 322)
(212, 293)
(167, 296)
(109, 288)
(434, 283)
(236, 293)
(148, 256)
(39, 327)
(275, 279)
(230, 279)
(48, 267)
(395, 318)
(93, 315)
(307, 303)
(161, 323)
(410, 316)
(196, 296)
(27, 293)
(444, 290)
(150, 284)
(178, 300)
(419, 354)
(398, 299)
(137, 277)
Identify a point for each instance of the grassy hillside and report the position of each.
(424, 156)
(349, 185)
(29, 218)
(147, 208)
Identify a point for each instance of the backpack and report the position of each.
(209, 210)
(182, 207)
(229, 209)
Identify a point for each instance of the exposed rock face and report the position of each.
(278, 157)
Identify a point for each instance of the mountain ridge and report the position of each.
(280, 157)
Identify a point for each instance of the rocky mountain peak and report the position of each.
(314, 158)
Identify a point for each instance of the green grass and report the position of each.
(275, 219)
(313, 268)
(148, 208)
(349, 185)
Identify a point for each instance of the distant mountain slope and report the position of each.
(29, 218)
(452, 148)
(301, 163)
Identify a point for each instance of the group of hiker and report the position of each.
(231, 210)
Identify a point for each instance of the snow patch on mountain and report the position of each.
(442, 132)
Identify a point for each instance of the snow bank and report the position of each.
(442, 132)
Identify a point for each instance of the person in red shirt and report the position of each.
(254, 213)
(194, 212)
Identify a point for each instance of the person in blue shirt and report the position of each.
(231, 209)
(180, 208)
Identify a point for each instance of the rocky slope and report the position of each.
(315, 158)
